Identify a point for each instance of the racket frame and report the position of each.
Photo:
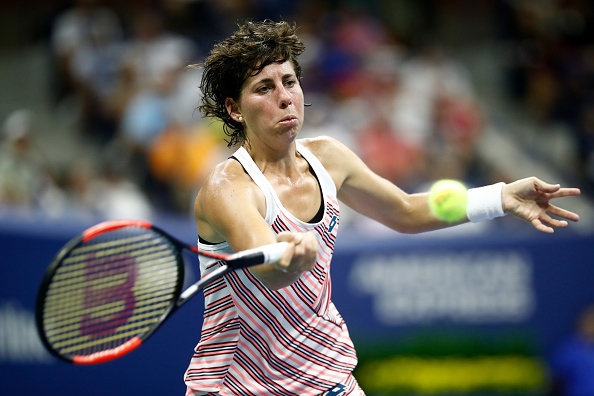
(134, 342)
(246, 259)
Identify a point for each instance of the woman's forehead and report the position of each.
(273, 69)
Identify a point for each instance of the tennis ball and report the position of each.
(447, 200)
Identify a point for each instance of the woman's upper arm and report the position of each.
(232, 207)
(373, 196)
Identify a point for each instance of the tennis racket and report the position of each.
(112, 286)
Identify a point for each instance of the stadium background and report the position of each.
(98, 122)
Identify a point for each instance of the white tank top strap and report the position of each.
(326, 183)
(258, 177)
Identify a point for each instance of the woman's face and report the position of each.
(270, 105)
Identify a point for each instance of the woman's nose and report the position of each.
(285, 98)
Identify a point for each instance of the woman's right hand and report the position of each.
(300, 255)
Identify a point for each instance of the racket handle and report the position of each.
(271, 254)
(274, 252)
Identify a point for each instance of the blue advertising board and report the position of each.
(461, 315)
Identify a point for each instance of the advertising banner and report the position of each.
(427, 315)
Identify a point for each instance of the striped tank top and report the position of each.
(257, 341)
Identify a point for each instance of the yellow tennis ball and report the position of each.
(447, 200)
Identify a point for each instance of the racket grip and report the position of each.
(261, 255)
(273, 252)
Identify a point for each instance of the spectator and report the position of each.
(86, 45)
(23, 179)
(572, 364)
(155, 95)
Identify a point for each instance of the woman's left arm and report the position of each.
(375, 197)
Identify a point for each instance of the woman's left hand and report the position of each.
(529, 199)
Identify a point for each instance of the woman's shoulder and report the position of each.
(226, 175)
(338, 160)
(328, 150)
(227, 185)
(323, 146)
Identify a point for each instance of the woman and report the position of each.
(272, 329)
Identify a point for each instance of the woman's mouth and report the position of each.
(288, 120)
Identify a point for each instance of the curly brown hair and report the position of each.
(244, 54)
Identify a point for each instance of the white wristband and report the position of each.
(484, 203)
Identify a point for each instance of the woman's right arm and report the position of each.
(230, 207)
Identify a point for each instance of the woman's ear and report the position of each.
(233, 110)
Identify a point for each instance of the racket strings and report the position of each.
(108, 290)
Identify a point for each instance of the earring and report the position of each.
(240, 118)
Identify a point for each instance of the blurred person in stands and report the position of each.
(155, 90)
(153, 52)
(86, 45)
(181, 158)
(24, 182)
(381, 144)
(436, 112)
(572, 363)
(99, 190)
(116, 197)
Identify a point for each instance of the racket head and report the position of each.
(107, 290)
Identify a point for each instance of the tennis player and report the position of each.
(273, 329)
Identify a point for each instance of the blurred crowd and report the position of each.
(549, 64)
(406, 106)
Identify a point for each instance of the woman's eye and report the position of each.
(263, 89)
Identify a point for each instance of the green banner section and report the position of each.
(453, 362)
(453, 375)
